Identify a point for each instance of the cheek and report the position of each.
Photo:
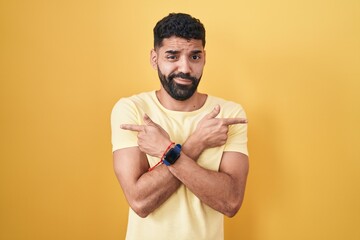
(166, 69)
(198, 71)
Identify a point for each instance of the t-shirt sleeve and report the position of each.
(237, 135)
(124, 112)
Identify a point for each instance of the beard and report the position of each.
(177, 91)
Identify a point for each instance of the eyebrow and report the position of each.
(196, 51)
(176, 52)
(172, 51)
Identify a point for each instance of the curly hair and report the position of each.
(180, 25)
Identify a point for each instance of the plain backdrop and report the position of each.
(293, 65)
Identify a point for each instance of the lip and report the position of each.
(183, 81)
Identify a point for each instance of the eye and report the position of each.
(195, 57)
(171, 57)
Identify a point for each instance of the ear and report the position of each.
(204, 56)
(153, 59)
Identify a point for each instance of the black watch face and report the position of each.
(171, 156)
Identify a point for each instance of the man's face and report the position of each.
(180, 64)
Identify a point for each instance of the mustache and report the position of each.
(183, 75)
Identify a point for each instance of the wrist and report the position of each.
(162, 155)
(193, 147)
(165, 148)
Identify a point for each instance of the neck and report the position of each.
(195, 102)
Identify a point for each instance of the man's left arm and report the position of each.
(223, 190)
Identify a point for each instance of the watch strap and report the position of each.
(172, 155)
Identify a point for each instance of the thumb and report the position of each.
(214, 112)
(148, 120)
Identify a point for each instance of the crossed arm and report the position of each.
(146, 191)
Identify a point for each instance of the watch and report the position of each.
(172, 155)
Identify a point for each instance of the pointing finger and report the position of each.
(132, 127)
(214, 112)
(231, 121)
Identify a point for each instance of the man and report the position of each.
(180, 155)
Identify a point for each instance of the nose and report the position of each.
(184, 65)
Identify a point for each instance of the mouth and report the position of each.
(183, 81)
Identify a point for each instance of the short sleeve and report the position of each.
(124, 112)
(237, 135)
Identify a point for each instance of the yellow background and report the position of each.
(293, 65)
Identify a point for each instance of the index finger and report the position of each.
(231, 121)
(132, 127)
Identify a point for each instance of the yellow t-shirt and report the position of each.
(183, 216)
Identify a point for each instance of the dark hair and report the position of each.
(179, 25)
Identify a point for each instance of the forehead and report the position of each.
(180, 44)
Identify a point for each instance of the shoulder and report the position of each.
(137, 98)
(228, 107)
(224, 102)
(134, 101)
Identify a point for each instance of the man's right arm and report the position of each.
(145, 191)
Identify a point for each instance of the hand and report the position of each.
(152, 138)
(212, 131)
